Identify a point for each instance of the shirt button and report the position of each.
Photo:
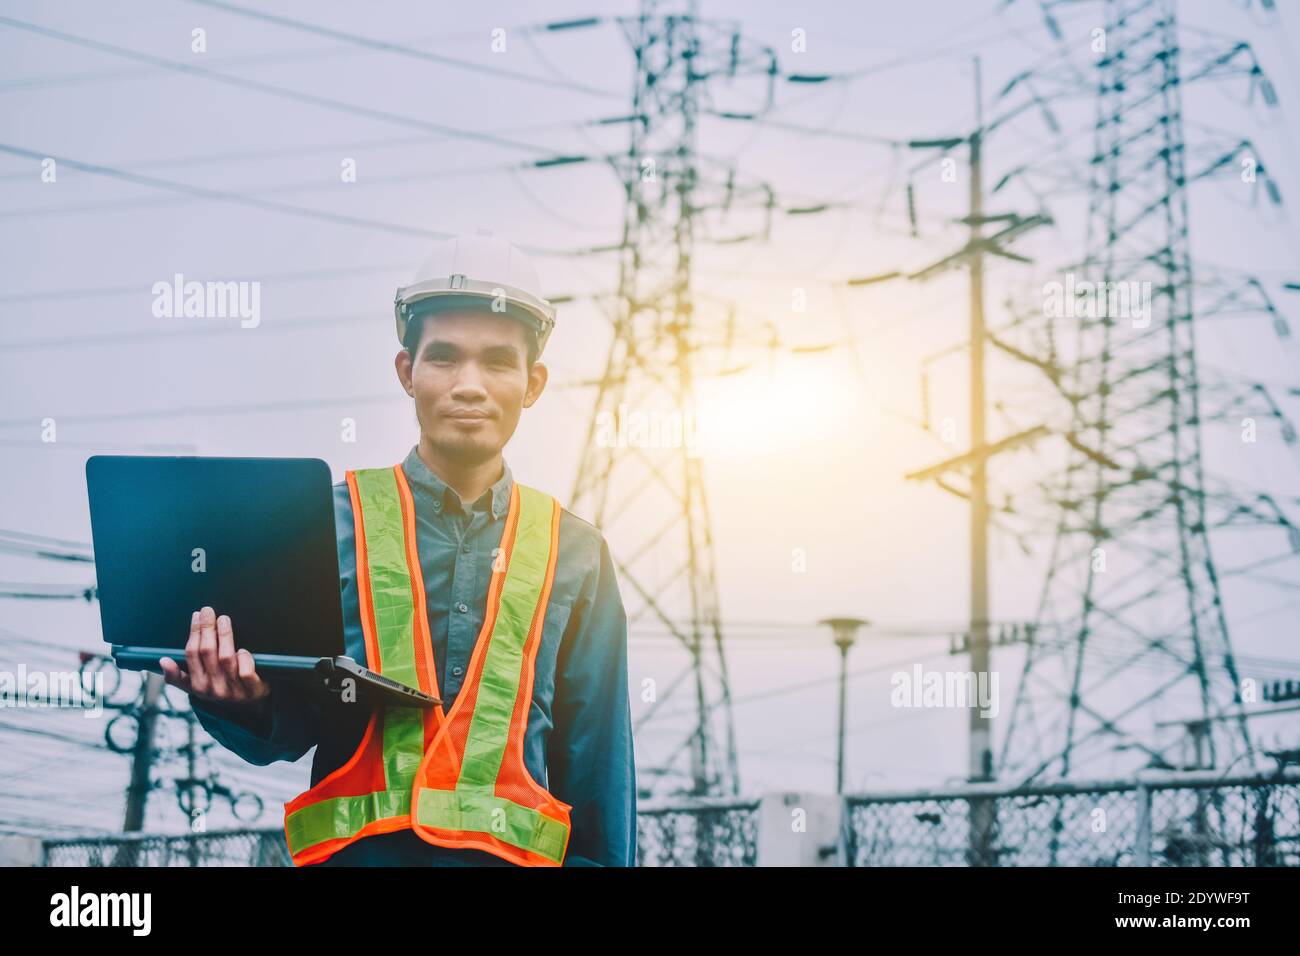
(463, 608)
(458, 670)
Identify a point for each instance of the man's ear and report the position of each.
(536, 382)
(402, 362)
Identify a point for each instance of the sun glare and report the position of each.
(784, 406)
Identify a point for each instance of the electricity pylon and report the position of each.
(648, 495)
(1131, 624)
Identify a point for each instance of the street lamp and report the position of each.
(844, 632)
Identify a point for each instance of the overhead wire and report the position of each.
(402, 50)
(270, 89)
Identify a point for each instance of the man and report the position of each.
(521, 610)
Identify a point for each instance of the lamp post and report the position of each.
(844, 632)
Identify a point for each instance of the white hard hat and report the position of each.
(476, 272)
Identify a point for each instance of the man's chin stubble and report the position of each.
(466, 450)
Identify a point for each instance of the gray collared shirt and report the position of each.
(579, 738)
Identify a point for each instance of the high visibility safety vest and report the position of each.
(457, 778)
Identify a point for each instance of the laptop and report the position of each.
(250, 537)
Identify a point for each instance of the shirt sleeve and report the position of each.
(285, 730)
(589, 755)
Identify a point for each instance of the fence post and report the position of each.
(1142, 849)
(21, 851)
(800, 829)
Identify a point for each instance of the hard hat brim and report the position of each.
(438, 295)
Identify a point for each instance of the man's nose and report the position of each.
(469, 382)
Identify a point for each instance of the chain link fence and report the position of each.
(1189, 819)
(698, 833)
(693, 833)
(218, 848)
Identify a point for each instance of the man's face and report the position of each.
(470, 380)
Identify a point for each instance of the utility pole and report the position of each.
(142, 756)
(191, 782)
(974, 461)
(137, 793)
(983, 815)
(981, 735)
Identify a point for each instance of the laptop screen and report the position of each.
(251, 537)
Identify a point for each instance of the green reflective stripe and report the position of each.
(482, 812)
(499, 686)
(394, 615)
(390, 579)
(342, 817)
(473, 806)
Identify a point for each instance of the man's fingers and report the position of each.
(253, 683)
(208, 657)
(198, 676)
(173, 674)
(227, 660)
(217, 669)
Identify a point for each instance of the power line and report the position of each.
(222, 195)
(153, 335)
(48, 212)
(270, 205)
(236, 156)
(40, 550)
(289, 405)
(156, 448)
(45, 540)
(45, 592)
(270, 89)
(333, 272)
(386, 46)
(278, 57)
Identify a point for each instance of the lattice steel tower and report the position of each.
(650, 497)
(1131, 626)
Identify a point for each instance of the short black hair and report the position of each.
(415, 328)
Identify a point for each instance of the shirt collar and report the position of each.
(445, 497)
